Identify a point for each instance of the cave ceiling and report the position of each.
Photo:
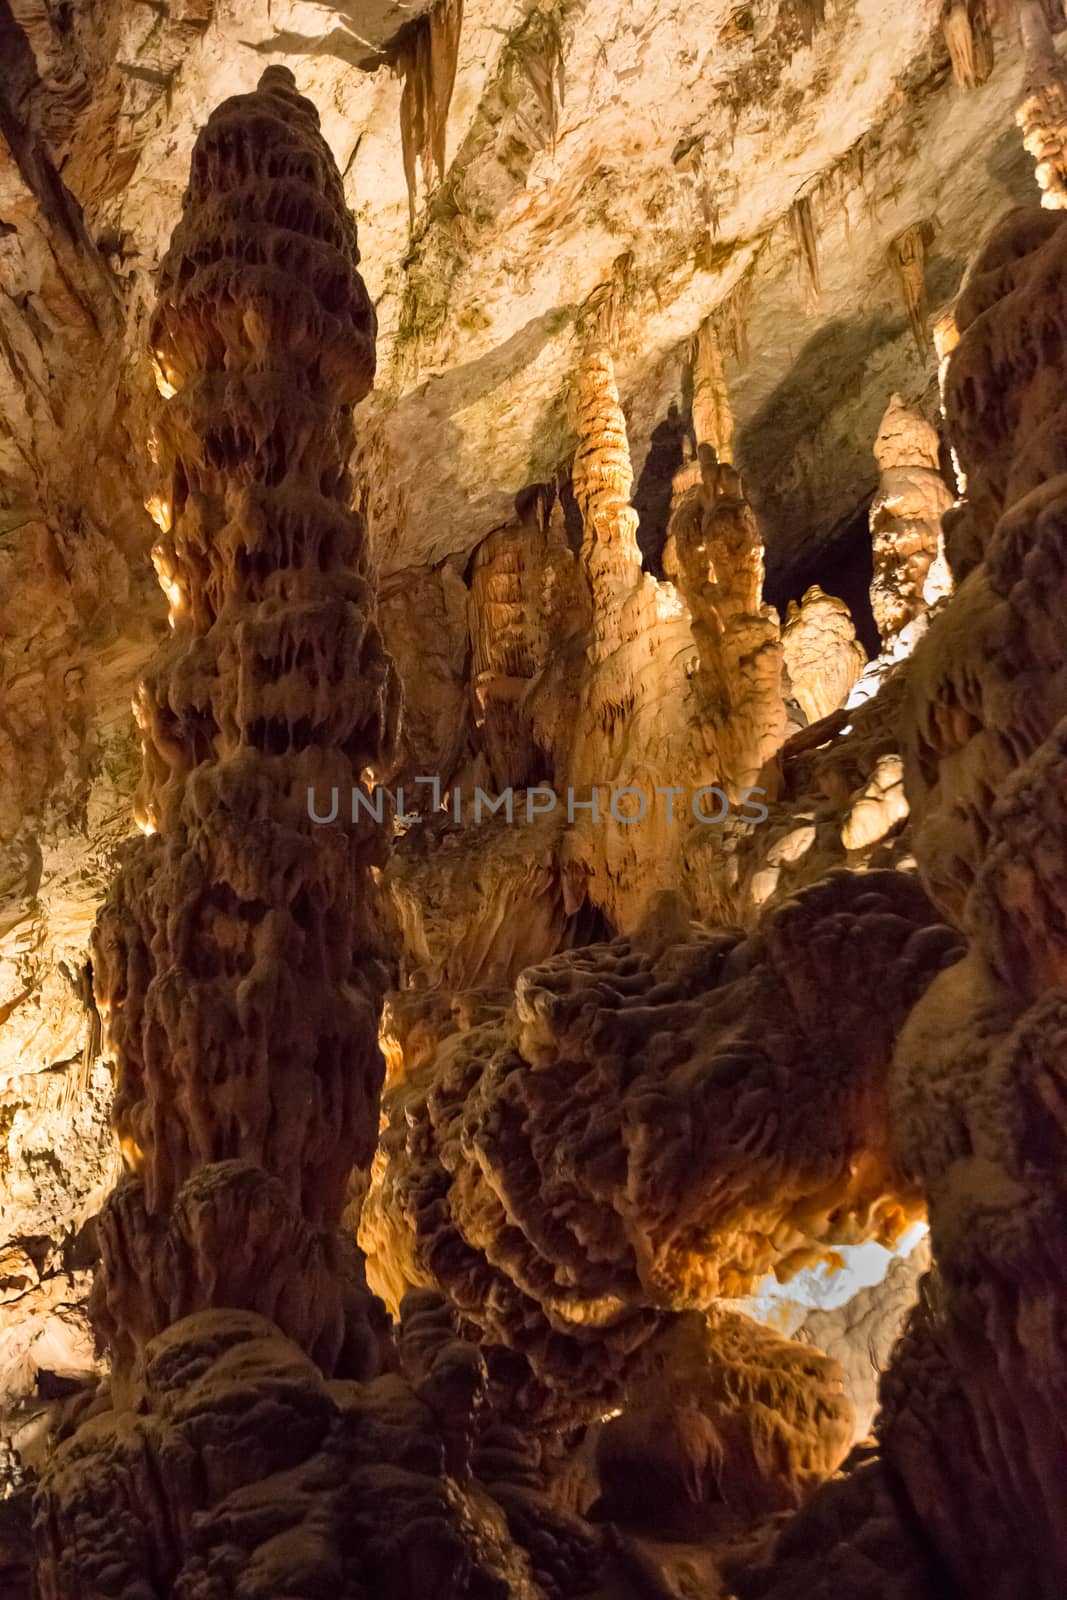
(668, 155)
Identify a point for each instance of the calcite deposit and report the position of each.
(911, 573)
(238, 959)
(540, 1080)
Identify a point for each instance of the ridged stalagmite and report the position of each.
(239, 964)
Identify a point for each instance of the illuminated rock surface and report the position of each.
(635, 1094)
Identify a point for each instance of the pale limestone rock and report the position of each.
(823, 657)
(910, 569)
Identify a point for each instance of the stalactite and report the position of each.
(965, 24)
(1042, 112)
(713, 422)
(910, 570)
(427, 61)
(806, 16)
(731, 318)
(539, 53)
(806, 242)
(907, 256)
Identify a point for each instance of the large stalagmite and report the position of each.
(238, 962)
(273, 690)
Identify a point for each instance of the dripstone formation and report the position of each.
(526, 1207)
(239, 961)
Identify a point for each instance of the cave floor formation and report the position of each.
(533, 703)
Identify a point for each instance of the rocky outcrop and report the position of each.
(975, 1100)
(245, 1472)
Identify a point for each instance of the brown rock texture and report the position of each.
(239, 966)
(575, 1173)
(714, 555)
(643, 281)
(968, 1437)
(237, 1118)
(977, 1110)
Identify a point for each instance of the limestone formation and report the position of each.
(910, 570)
(426, 60)
(823, 657)
(569, 1174)
(965, 24)
(1042, 112)
(975, 1100)
(235, 907)
(990, 772)
(715, 556)
(907, 257)
(529, 602)
(238, 959)
(630, 1110)
(713, 421)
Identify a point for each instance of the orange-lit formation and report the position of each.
(588, 1124)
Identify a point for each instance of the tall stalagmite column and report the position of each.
(237, 957)
(603, 480)
(238, 961)
(1042, 112)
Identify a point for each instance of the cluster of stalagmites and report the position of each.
(579, 1172)
(592, 676)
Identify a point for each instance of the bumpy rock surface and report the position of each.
(601, 1118)
(603, 1156)
(975, 1101)
(910, 570)
(236, 920)
(237, 961)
